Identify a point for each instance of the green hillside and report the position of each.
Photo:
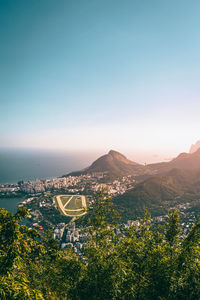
(158, 193)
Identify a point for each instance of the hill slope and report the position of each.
(113, 163)
(182, 161)
(159, 193)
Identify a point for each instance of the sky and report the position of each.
(96, 75)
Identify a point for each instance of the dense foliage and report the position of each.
(141, 263)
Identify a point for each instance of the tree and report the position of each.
(101, 279)
(145, 262)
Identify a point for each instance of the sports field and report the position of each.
(71, 205)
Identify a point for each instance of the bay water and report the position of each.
(31, 164)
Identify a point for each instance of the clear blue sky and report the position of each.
(100, 74)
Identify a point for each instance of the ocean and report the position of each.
(26, 164)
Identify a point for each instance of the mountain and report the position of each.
(195, 147)
(159, 193)
(114, 164)
(182, 161)
(159, 186)
(186, 161)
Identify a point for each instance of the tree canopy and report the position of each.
(143, 262)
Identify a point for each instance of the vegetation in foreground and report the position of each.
(144, 263)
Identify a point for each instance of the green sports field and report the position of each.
(75, 203)
(64, 199)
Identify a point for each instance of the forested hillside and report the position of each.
(159, 193)
(142, 263)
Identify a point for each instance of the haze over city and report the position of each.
(92, 76)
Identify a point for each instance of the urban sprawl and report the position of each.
(38, 197)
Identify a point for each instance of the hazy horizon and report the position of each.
(142, 157)
(90, 76)
(31, 164)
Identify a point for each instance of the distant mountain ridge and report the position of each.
(116, 165)
(182, 161)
